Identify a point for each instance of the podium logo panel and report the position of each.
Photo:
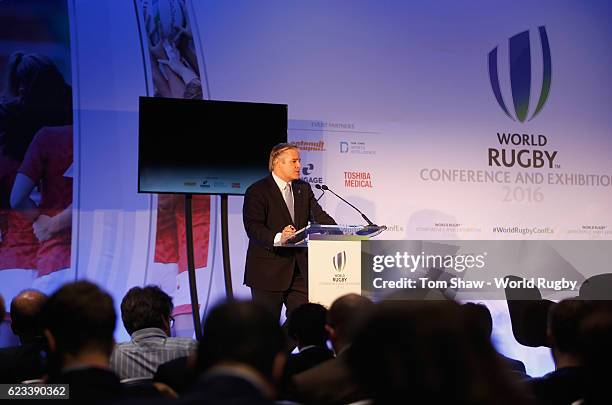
(334, 269)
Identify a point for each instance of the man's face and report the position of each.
(288, 164)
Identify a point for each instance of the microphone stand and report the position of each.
(370, 223)
(318, 187)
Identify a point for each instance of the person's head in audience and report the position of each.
(422, 352)
(243, 336)
(146, 307)
(564, 320)
(307, 325)
(479, 321)
(344, 317)
(26, 311)
(79, 321)
(596, 339)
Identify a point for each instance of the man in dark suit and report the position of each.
(481, 322)
(307, 327)
(274, 208)
(333, 382)
(567, 383)
(25, 362)
(79, 321)
(240, 356)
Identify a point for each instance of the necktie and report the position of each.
(288, 196)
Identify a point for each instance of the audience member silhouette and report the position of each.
(79, 321)
(146, 314)
(596, 342)
(241, 356)
(178, 374)
(27, 361)
(332, 382)
(565, 384)
(307, 327)
(422, 352)
(479, 317)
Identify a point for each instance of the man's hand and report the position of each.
(287, 233)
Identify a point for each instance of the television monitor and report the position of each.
(205, 146)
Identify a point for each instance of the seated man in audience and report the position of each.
(240, 357)
(307, 328)
(146, 314)
(566, 384)
(25, 362)
(596, 341)
(482, 322)
(423, 352)
(332, 382)
(78, 322)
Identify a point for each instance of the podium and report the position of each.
(334, 258)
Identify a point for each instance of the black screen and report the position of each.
(206, 146)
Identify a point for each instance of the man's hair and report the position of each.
(479, 317)
(80, 316)
(240, 332)
(346, 314)
(564, 320)
(277, 150)
(307, 324)
(26, 313)
(146, 307)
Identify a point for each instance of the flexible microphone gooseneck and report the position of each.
(325, 188)
(318, 187)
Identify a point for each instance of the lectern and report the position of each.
(334, 258)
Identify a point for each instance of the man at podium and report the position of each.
(274, 208)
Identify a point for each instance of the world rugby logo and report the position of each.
(520, 65)
(339, 261)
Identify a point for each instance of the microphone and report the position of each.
(325, 188)
(318, 187)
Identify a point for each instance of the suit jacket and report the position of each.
(265, 214)
(517, 367)
(224, 389)
(90, 384)
(23, 362)
(307, 359)
(176, 374)
(562, 386)
(331, 382)
(300, 362)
